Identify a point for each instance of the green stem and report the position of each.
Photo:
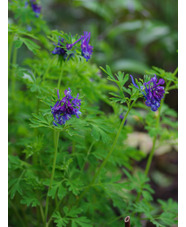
(114, 143)
(108, 155)
(149, 161)
(112, 148)
(60, 77)
(57, 206)
(175, 71)
(89, 150)
(56, 139)
(150, 157)
(42, 213)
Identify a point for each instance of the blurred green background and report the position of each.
(128, 35)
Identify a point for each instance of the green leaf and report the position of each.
(30, 201)
(73, 212)
(58, 188)
(60, 221)
(41, 121)
(147, 195)
(18, 43)
(73, 186)
(15, 185)
(14, 162)
(30, 44)
(61, 192)
(100, 132)
(108, 72)
(81, 221)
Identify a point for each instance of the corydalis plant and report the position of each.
(65, 108)
(152, 91)
(86, 49)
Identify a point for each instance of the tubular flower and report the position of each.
(152, 91)
(59, 49)
(86, 49)
(35, 7)
(65, 108)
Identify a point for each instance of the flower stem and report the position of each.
(42, 213)
(60, 77)
(150, 156)
(108, 155)
(56, 208)
(56, 139)
(89, 150)
(149, 161)
(112, 148)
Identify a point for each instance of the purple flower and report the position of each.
(152, 91)
(86, 49)
(35, 7)
(59, 49)
(65, 108)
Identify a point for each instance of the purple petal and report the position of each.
(134, 82)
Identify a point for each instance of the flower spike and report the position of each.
(152, 91)
(65, 108)
(86, 49)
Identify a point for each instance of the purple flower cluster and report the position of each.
(60, 50)
(65, 108)
(152, 91)
(86, 49)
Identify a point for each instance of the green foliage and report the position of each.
(89, 176)
(120, 79)
(71, 216)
